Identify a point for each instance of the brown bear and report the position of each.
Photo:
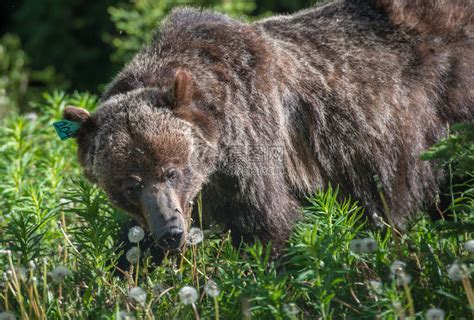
(257, 116)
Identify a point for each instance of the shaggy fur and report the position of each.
(260, 115)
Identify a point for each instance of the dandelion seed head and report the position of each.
(211, 289)
(6, 315)
(59, 273)
(356, 246)
(136, 234)
(31, 265)
(369, 245)
(376, 285)
(137, 294)
(469, 246)
(397, 305)
(6, 252)
(188, 295)
(457, 272)
(397, 266)
(291, 309)
(124, 315)
(31, 116)
(401, 278)
(435, 314)
(195, 236)
(133, 254)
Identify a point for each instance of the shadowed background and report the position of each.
(81, 44)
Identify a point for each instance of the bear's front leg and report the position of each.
(272, 223)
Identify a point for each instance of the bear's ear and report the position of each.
(185, 108)
(76, 114)
(80, 115)
(85, 137)
(183, 88)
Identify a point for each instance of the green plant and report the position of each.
(58, 251)
(135, 21)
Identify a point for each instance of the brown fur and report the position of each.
(259, 115)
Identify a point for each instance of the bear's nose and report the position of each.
(172, 238)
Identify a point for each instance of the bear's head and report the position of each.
(151, 151)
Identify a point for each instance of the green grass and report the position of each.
(50, 216)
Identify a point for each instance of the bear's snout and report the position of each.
(172, 239)
(163, 216)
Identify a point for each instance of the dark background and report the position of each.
(80, 41)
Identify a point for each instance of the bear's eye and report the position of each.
(172, 175)
(131, 187)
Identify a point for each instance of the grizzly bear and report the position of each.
(257, 116)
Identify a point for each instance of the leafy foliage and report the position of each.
(136, 20)
(50, 217)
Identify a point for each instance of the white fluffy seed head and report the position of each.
(59, 273)
(136, 234)
(356, 246)
(369, 245)
(195, 236)
(137, 294)
(469, 246)
(188, 295)
(211, 289)
(435, 314)
(31, 265)
(401, 278)
(133, 255)
(397, 267)
(457, 272)
(5, 252)
(125, 315)
(6, 315)
(377, 286)
(291, 309)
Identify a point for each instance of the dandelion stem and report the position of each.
(17, 286)
(196, 314)
(411, 307)
(466, 283)
(216, 308)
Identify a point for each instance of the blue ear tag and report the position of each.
(66, 128)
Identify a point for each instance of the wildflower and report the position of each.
(133, 254)
(457, 272)
(291, 309)
(376, 286)
(397, 305)
(397, 272)
(136, 234)
(369, 245)
(397, 266)
(435, 314)
(137, 294)
(195, 236)
(124, 315)
(188, 295)
(356, 246)
(402, 278)
(6, 252)
(31, 265)
(211, 289)
(31, 116)
(59, 273)
(469, 246)
(7, 316)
